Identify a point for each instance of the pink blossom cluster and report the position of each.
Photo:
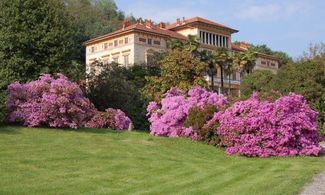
(286, 127)
(53, 102)
(112, 118)
(168, 118)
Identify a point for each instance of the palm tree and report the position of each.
(223, 60)
(245, 61)
(210, 59)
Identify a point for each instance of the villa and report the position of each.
(135, 43)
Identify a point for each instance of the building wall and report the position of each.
(106, 51)
(263, 63)
(142, 46)
(189, 31)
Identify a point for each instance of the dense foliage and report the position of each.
(57, 102)
(168, 118)
(286, 127)
(258, 81)
(305, 77)
(180, 68)
(120, 88)
(197, 119)
(54, 102)
(283, 57)
(36, 36)
(111, 118)
(92, 18)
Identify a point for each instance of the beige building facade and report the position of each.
(134, 44)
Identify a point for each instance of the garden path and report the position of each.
(317, 187)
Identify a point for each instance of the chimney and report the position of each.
(148, 23)
(243, 45)
(183, 20)
(178, 21)
(125, 24)
(162, 25)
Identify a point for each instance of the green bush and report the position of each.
(120, 88)
(259, 81)
(197, 119)
(2, 107)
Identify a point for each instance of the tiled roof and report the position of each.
(198, 19)
(140, 27)
(237, 47)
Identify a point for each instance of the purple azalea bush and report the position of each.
(286, 127)
(168, 118)
(55, 102)
(112, 118)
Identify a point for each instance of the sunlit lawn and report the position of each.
(52, 161)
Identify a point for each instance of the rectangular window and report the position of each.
(263, 62)
(156, 42)
(143, 40)
(227, 41)
(126, 60)
(218, 40)
(149, 41)
(105, 45)
(92, 49)
(120, 42)
(206, 38)
(272, 64)
(110, 44)
(115, 43)
(126, 40)
(203, 37)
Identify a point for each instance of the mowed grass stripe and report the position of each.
(53, 161)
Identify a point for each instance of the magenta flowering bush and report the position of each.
(112, 118)
(167, 119)
(54, 102)
(58, 102)
(286, 127)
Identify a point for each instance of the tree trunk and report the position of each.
(221, 71)
(212, 80)
(229, 85)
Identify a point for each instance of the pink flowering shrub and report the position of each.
(112, 118)
(286, 127)
(168, 118)
(58, 102)
(54, 102)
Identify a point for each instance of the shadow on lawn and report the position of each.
(6, 129)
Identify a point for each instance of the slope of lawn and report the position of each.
(52, 161)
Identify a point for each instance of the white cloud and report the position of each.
(273, 11)
(158, 13)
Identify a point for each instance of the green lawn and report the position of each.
(51, 161)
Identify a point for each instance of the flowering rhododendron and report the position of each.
(48, 101)
(168, 118)
(112, 118)
(55, 102)
(286, 127)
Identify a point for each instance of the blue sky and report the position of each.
(287, 25)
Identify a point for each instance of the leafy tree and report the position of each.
(181, 67)
(36, 36)
(283, 57)
(259, 80)
(306, 77)
(93, 18)
(117, 87)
